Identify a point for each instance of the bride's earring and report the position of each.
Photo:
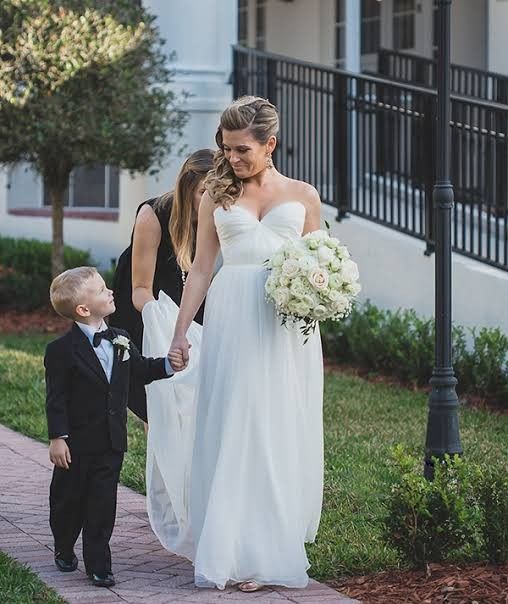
(269, 161)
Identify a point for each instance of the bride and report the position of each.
(235, 456)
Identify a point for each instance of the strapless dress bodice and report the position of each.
(247, 240)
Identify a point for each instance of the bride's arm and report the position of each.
(199, 277)
(313, 210)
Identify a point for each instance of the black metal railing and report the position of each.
(464, 81)
(368, 145)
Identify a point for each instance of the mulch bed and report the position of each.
(439, 584)
(43, 320)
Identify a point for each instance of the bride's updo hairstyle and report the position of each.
(261, 119)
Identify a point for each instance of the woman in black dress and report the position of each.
(160, 253)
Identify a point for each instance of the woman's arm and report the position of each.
(199, 277)
(145, 243)
(313, 209)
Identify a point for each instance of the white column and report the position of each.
(353, 35)
(201, 33)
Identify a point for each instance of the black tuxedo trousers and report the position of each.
(83, 498)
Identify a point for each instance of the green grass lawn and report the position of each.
(19, 585)
(363, 421)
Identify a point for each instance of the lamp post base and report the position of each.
(443, 434)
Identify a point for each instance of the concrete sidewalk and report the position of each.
(145, 572)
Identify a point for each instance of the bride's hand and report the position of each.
(179, 353)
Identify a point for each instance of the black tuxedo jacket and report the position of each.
(81, 403)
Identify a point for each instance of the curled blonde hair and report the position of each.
(67, 288)
(183, 216)
(261, 118)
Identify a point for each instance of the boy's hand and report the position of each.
(59, 453)
(177, 360)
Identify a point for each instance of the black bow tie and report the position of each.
(107, 334)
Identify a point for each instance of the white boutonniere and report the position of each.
(123, 344)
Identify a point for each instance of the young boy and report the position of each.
(88, 371)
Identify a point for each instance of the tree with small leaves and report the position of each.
(83, 82)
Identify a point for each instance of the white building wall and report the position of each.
(395, 273)
(301, 29)
(497, 28)
(105, 239)
(469, 33)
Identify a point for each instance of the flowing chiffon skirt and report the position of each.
(235, 442)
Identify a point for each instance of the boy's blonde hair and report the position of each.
(66, 289)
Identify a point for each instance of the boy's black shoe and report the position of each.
(98, 581)
(65, 564)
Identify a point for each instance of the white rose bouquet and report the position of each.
(312, 279)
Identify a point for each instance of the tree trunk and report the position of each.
(56, 194)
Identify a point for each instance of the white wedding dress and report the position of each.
(235, 445)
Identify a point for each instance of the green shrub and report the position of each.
(401, 344)
(23, 292)
(483, 370)
(108, 276)
(493, 496)
(430, 521)
(25, 283)
(33, 257)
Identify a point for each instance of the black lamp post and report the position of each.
(443, 423)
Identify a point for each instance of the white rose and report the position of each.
(319, 278)
(310, 301)
(290, 268)
(335, 265)
(299, 308)
(298, 288)
(319, 235)
(334, 295)
(341, 304)
(121, 342)
(281, 296)
(335, 281)
(325, 254)
(343, 251)
(284, 281)
(307, 263)
(270, 284)
(320, 312)
(354, 288)
(350, 271)
(277, 260)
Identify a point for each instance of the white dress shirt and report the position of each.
(104, 351)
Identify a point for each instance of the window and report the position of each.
(94, 186)
(261, 24)
(340, 33)
(403, 24)
(371, 26)
(243, 22)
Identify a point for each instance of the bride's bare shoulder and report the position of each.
(304, 192)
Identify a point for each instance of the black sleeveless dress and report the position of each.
(167, 277)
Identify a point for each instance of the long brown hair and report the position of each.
(183, 216)
(261, 118)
